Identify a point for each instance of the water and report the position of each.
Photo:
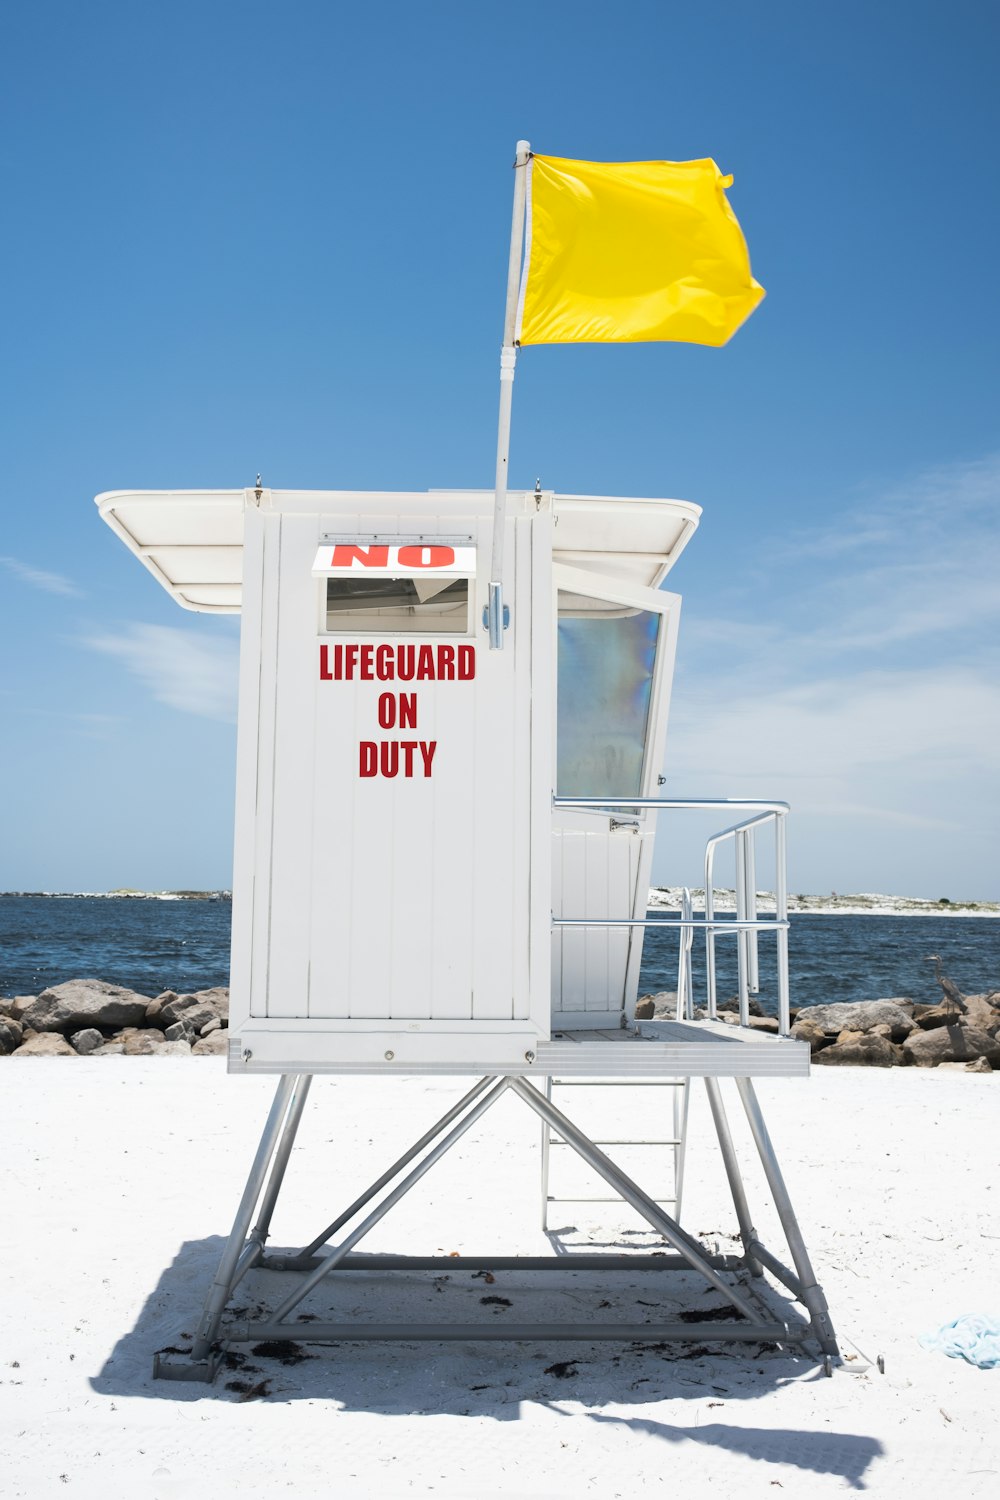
(844, 958)
(151, 946)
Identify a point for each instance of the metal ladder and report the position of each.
(680, 1089)
(675, 1143)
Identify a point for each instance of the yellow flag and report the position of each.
(620, 252)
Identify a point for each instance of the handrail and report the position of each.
(747, 925)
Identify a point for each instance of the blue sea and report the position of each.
(152, 945)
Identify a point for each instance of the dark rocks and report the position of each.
(192, 1019)
(45, 1044)
(859, 1048)
(15, 1006)
(983, 1012)
(764, 1023)
(216, 1044)
(754, 1007)
(90, 1018)
(81, 1003)
(860, 1015)
(143, 1043)
(662, 1006)
(954, 1043)
(11, 1035)
(809, 1031)
(87, 1041)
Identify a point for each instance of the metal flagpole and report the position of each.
(508, 358)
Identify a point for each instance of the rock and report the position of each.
(926, 1049)
(214, 1025)
(930, 1017)
(860, 1015)
(645, 1009)
(11, 1035)
(190, 1009)
(765, 1023)
(173, 1049)
(218, 998)
(109, 1049)
(180, 1031)
(978, 1065)
(214, 1045)
(155, 1006)
(754, 1007)
(15, 1005)
(45, 1044)
(808, 1031)
(81, 1003)
(983, 1013)
(192, 1019)
(87, 1041)
(143, 1043)
(859, 1049)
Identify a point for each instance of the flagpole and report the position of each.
(508, 359)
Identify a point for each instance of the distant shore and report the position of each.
(859, 904)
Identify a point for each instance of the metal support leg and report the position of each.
(682, 1096)
(809, 1291)
(546, 1153)
(747, 1232)
(335, 1256)
(387, 1176)
(631, 1192)
(258, 1234)
(202, 1364)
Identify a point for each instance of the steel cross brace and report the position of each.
(245, 1248)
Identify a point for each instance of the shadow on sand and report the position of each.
(489, 1379)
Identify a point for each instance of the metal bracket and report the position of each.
(616, 823)
(506, 617)
(181, 1367)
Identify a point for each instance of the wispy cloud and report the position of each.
(193, 673)
(857, 675)
(907, 578)
(40, 578)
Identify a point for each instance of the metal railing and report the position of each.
(747, 925)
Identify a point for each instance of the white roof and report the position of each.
(192, 540)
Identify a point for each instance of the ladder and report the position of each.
(676, 1143)
(673, 1144)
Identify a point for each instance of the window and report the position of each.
(605, 666)
(389, 606)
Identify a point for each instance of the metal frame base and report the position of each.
(317, 1260)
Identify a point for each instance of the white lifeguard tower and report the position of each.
(443, 853)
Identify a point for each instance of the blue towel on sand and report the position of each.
(974, 1337)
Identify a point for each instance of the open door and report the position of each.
(615, 662)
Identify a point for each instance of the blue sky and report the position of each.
(249, 237)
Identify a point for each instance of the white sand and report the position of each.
(123, 1174)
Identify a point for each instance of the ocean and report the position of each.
(153, 945)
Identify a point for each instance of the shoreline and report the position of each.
(860, 904)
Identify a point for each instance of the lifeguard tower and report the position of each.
(443, 856)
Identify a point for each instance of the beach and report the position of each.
(125, 1177)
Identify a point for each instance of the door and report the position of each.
(615, 659)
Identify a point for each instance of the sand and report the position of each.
(122, 1178)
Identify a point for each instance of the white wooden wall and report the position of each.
(374, 915)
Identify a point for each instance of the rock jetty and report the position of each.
(90, 1018)
(961, 1032)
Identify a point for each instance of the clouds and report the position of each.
(908, 577)
(859, 676)
(40, 578)
(195, 674)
